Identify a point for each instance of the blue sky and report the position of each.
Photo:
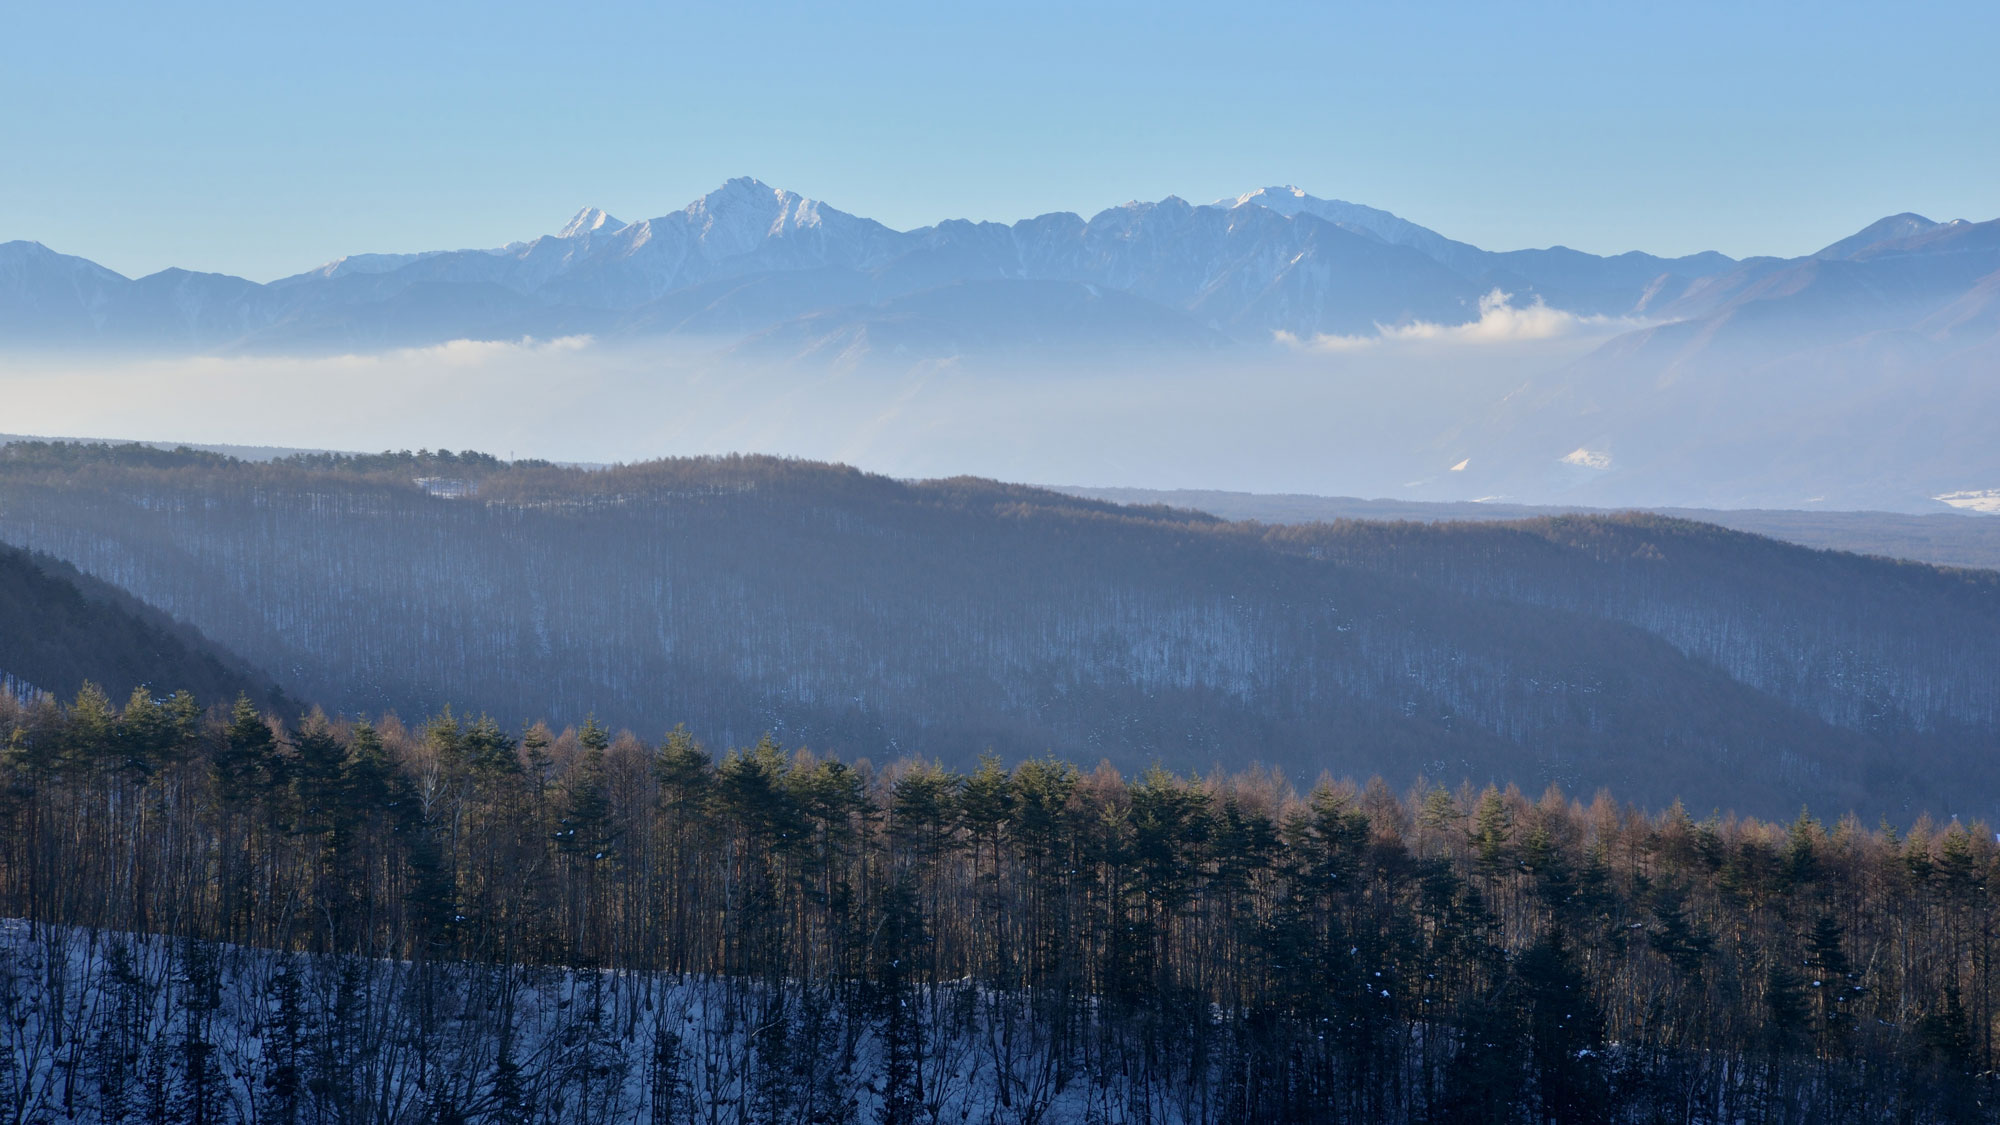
(261, 139)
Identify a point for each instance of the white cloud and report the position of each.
(1358, 424)
(451, 353)
(482, 394)
(1974, 500)
(1500, 322)
(473, 353)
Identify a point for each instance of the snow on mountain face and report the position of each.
(741, 215)
(1381, 224)
(588, 219)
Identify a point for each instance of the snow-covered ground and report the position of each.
(105, 1027)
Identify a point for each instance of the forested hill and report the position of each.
(60, 629)
(1865, 643)
(1954, 538)
(867, 616)
(226, 919)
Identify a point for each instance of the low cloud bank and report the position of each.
(1500, 322)
(1359, 423)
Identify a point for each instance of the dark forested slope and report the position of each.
(868, 616)
(1864, 643)
(59, 629)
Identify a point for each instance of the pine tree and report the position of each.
(1566, 1035)
(1835, 985)
(666, 1080)
(120, 1044)
(898, 935)
(286, 1050)
(200, 1100)
(247, 764)
(1487, 1078)
(1492, 830)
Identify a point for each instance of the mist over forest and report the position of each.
(1262, 420)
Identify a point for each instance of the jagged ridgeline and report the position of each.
(224, 919)
(873, 617)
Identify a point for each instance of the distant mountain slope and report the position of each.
(1064, 319)
(1880, 231)
(1861, 638)
(60, 628)
(869, 616)
(1866, 371)
(1942, 539)
(1269, 261)
(1565, 278)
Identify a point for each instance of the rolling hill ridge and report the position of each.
(869, 616)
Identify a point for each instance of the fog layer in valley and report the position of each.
(1387, 415)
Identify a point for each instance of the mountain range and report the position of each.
(749, 259)
(1860, 376)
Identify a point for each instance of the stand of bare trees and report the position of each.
(910, 944)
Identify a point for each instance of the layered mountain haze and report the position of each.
(1357, 352)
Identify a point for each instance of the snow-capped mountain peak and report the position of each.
(1285, 200)
(746, 216)
(1289, 200)
(587, 220)
(736, 217)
